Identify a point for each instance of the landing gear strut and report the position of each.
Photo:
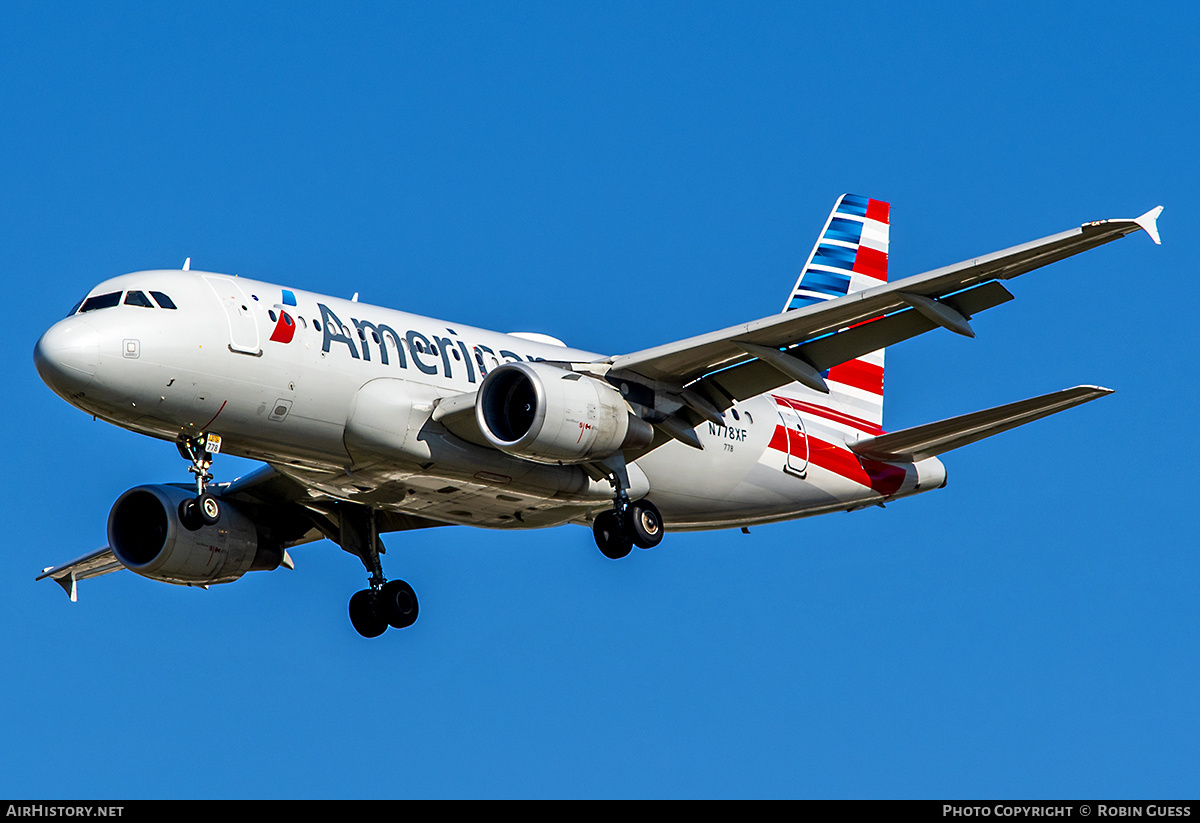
(387, 602)
(204, 509)
(626, 524)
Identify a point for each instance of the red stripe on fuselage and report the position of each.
(881, 477)
(829, 414)
(779, 440)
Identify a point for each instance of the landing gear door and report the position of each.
(797, 441)
(243, 329)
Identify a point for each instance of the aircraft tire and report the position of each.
(398, 604)
(644, 524)
(208, 508)
(364, 616)
(612, 538)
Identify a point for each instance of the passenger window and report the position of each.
(136, 298)
(163, 300)
(101, 301)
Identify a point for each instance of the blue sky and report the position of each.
(621, 175)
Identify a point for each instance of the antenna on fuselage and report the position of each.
(354, 299)
(187, 264)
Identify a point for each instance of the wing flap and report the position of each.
(932, 439)
(750, 379)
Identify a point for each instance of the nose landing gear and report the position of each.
(204, 509)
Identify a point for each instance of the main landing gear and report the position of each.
(392, 604)
(626, 524)
(204, 509)
(387, 602)
(621, 528)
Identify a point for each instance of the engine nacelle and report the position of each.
(147, 536)
(550, 415)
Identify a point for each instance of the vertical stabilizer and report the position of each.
(850, 255)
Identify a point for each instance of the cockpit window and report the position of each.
(72, 311)
(136, 298)
(163, 300)
(101, 301)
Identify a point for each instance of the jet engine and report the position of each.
(550, 415)
(146, 534)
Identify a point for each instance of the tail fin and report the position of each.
(850, 255)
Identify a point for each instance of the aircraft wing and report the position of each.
(299, 513)
(92, 564)
(294, 513)
(746, 360)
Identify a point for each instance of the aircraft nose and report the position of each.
(67, 355)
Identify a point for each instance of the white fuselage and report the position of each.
(279, 374)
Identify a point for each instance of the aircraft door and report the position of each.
(797, 441)
(243, 329)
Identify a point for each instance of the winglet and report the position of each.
(69, 587)
(1149, 222)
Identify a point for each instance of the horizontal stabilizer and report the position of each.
(931, 439)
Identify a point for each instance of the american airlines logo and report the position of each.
(427, 352)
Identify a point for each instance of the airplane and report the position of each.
(371, 420)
